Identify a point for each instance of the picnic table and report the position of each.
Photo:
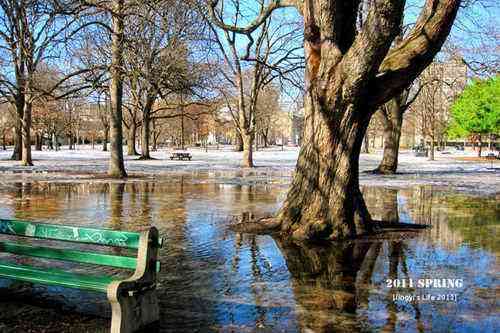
(420, 151)
(181, 156)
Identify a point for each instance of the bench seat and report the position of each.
(54, 277)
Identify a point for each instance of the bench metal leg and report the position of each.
(132, 313)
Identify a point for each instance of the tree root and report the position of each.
(379, 171)
(395, 226)
(265, 225)
(272, 225)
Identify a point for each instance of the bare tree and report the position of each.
(165, 34)
(252, 59)
(441, 83)
(32, 34)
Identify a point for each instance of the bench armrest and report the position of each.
(144, 276)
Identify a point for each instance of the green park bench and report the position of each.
(133, 300)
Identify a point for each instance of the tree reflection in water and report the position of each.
(332, 282)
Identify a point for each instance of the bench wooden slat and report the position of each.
(123, 239)
(55, 277)
(70, 255)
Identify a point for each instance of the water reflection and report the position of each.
(217, 280)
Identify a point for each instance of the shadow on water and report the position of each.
(215, 280)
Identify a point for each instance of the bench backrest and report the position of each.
(103, 237)
(124, 239)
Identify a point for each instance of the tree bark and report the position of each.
(18, 139)
(366, 143)
(26, 136)
(324, 200)
(156, 134)
(182, 129)
(38, 141)
(132, 135)
(105, 139)
(116, 163)
(248, 140)
(431, 150)
(393, 119)
(70, 141)
(18, 134)
(4, 145)
(239, 142)
(146, 122)
(480, 145)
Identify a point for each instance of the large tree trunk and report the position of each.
(132, 134)
(248, 140)
(324, 201)
(393, 120)
(116, 163)
(26, 132)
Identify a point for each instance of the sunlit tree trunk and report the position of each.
(392, 114)
(431, 149)
(18, 139)
(132, 135)
(248, 140)
(26, 132)
(116, 163)
(239, 142)
(324, 201)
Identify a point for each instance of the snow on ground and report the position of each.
(274, 165)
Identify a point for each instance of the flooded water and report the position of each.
(216, 280)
